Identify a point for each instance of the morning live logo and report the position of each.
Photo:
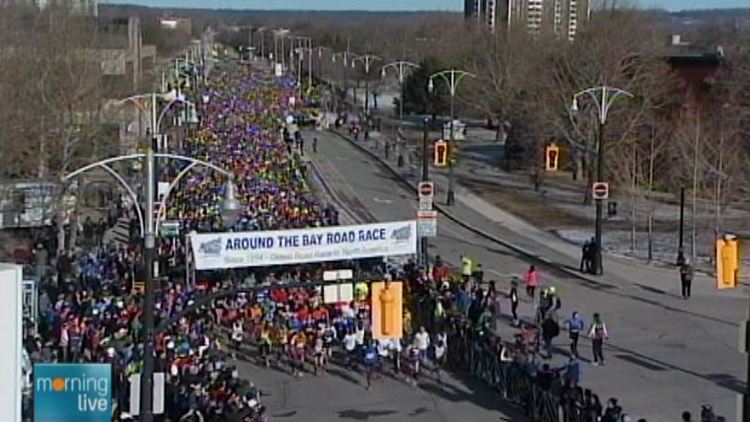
(72, 392)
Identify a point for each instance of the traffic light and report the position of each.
(386, 302)
(727, 261)
(440, 154)
(551, 157)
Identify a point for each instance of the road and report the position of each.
(666, 355)
(341, 395)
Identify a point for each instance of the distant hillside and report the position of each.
(687, 20)
(244, 15)
(701, 13)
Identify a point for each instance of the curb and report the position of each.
(467, 226)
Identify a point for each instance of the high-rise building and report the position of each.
(84, 7)
(562, 17)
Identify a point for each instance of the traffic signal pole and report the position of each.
(425, 178)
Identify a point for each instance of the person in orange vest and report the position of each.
(532, 280)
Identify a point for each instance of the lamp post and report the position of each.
(305, 46)
(301, 52)
(603, 98)
(172, 98)
(278, 48)
(149, 232)
(149, 226)
(452, 78)
(400, 66)
(424, 245)
(345, 57)
(367, 60)
(260, 31)
(320, 50)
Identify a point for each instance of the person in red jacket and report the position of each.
(532, 280)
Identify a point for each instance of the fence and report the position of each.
(476, 354)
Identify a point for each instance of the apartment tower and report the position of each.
(561, 17)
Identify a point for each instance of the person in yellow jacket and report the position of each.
(360, 291)
(467, 267)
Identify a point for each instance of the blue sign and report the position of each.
(72, 393)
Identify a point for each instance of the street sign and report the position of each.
(426, 194)
(161, 190)
(170, 228)
(334, 275)
(338, 293)
(427, 223)
(600, 190)
(426, 189)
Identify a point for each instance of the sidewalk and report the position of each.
(477, 214)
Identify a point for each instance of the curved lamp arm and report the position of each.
(166, 109)
(400, 66)
(602, 98)
(131, 193)
(101, 163)
(105, 165)
(218, 169)
(163, 205)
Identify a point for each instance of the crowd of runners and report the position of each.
(89, 311)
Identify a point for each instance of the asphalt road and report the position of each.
(340, 394)
(666, 355)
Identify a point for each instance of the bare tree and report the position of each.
(55, 74)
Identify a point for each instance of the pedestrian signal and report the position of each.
(441, 153)
(386, 303)
(727, 261)
(551, 157)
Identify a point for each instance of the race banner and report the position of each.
(281, 247)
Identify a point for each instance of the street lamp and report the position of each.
(400, 66)
(305, 45)
(603, 97)
(452, 78)
(320, 49)
(366, 59)
(149, 232)
(301, 52)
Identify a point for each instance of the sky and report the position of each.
(444, 5)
